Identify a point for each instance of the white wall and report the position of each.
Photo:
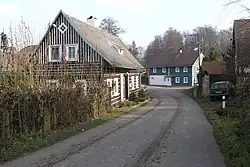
(195, 69)
(160, 80)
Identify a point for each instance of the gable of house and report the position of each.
(93, 44)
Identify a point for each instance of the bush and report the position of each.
(133, 97)
(142, 95)
(33, 110)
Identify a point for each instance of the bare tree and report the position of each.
(110, 25)
(173, 40)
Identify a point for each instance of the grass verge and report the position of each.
(227, 132)
(25, 144)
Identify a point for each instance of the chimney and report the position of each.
(91, 20)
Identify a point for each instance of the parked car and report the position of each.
(222, 88)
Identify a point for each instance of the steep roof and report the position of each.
(28, 49)
(184, 59)
(106, 44)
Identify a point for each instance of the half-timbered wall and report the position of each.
(54, 37)
(114, 83)
(134, 82)
(114, 80)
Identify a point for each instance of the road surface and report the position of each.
(170, 132)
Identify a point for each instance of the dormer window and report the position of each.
(121, 51)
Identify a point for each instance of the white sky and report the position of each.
(142, 19)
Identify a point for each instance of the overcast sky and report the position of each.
(142, 19)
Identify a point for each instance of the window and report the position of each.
(185, 80)
(132, 83)
(52, 83)
(71, 52)
(177, 69)
(115, 88)
(177, 79)
(163, 70)
(137, 82)
(185, 69)
(82, 84)
(154, 70)
(54, 53)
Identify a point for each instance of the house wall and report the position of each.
(54, 37)
(87, 57)
(170, 72)
(161, 80)
(134, 82)
(116, 82)
(181, 75)
(195, 71)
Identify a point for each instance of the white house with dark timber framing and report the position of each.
(81, 45)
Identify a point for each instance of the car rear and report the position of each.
(219, 89)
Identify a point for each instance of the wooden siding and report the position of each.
(70, 36)
(115, 98)
(134, 83)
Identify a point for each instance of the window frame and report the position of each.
(76, 58)
(50, 53)
(185, 69)
(154, 70)
(178, 80)
(137, 82)
(177, 69)
(185, 81)
(133, 83)
(83, 84)
(50, 83)
(164, 70)
(115, 89)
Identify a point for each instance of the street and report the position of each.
(171, 131)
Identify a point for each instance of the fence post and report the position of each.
(223, 102)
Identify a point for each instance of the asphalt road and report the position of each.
(173, 134)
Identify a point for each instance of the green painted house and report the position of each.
(175, 69)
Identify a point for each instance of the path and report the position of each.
(174, 133)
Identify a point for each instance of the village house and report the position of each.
(175, 69)
(88, 50)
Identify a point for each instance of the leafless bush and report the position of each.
(29, 106)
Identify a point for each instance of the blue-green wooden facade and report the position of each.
(185, 76)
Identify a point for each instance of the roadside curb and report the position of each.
(60, 151)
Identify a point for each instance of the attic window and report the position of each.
(121, 51)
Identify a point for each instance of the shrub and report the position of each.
(133, 97)
(142, 95)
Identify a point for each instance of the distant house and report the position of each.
(22, 56)
(240, 45)
(89, 51)
(175, 69)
